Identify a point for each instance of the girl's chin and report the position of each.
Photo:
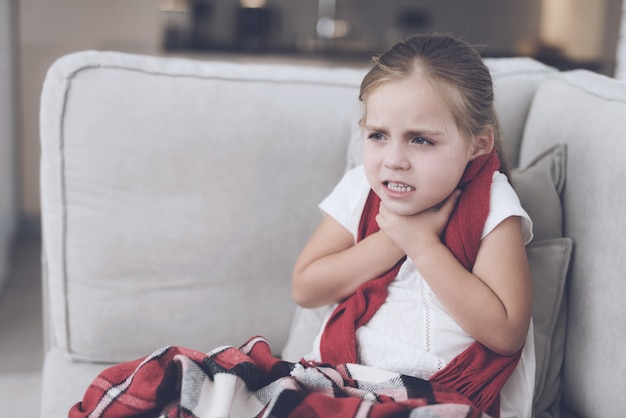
(402, 209)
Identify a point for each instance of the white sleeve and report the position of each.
(503, 204)
(346, 202)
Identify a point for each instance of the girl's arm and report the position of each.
(331, 266)
(493, 302)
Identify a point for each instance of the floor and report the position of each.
(21, 338)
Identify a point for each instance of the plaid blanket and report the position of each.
(250, 382)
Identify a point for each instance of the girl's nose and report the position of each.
(396, 156)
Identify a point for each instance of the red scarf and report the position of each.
(478, 373)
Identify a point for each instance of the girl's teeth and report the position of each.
(397, 187)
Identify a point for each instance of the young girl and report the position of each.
(422, 247)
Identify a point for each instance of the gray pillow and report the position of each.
(539, 186)
(549, 261)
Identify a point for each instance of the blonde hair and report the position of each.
(456, 70)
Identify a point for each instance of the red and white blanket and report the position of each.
(251, 382)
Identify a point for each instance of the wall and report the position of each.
(49, 29)
(611, 30)
(585, 31)
(499, 25)
(620, 71)
(8, 204)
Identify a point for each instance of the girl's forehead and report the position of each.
(416, 89)
(416, 84)
(416, 92)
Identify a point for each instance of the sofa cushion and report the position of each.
(138, 156)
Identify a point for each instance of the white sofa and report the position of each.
(176, 195)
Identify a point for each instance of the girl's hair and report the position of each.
(456, 70)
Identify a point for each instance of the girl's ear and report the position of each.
(484, 142)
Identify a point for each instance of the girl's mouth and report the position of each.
(398, 187)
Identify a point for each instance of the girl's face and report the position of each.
(414, 154)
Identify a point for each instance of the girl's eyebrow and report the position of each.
(426, 133)
(415, 132)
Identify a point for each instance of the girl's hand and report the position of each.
(331, 266)
(414, 233)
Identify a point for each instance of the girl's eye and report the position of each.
(421, 141)
(376, 136)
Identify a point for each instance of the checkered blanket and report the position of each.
(250, 382)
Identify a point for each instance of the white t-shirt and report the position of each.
(433, 337)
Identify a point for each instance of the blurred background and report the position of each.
(33, 33)
(564, 33)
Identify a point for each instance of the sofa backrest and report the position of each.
(515, 82)
(587, 112)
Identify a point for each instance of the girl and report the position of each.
(422, 247)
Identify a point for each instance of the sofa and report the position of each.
(177, 193)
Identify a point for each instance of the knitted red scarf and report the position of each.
(478, 373)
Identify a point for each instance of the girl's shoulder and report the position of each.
(345, 203)
(357, 177)
(353, 184)
(504, 203)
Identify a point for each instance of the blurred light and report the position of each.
(332, 28)
(174, 5)
(576, 27)
(253, 4)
